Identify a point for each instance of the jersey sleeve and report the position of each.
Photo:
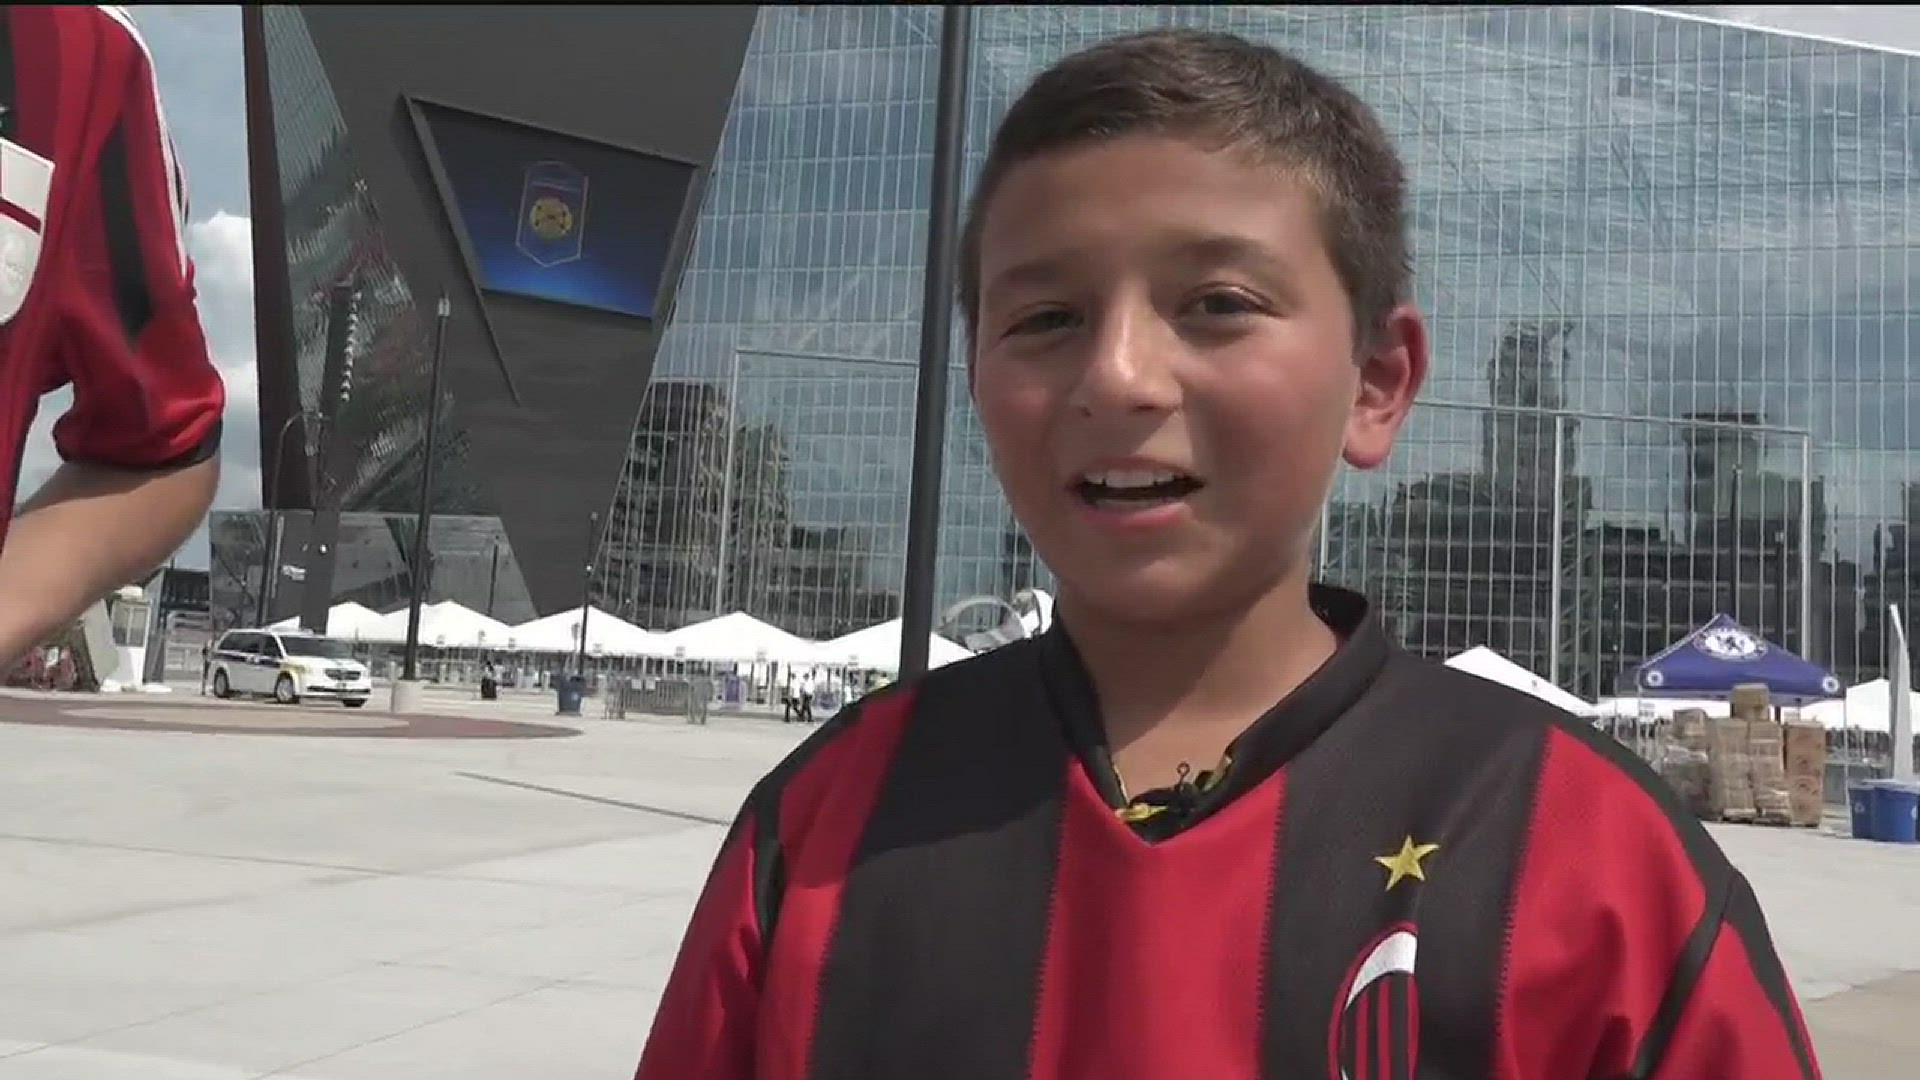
(1733, 1012)
(1636, 951)
(146, 395)
(705, 1026)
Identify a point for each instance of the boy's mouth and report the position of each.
(1134, 489)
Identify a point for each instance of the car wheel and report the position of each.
(283, 691)
(220, 687)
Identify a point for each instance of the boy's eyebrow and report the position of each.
(1220, 250)
(1192, 249)
(1035, 271)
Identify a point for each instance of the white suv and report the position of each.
(287, 667)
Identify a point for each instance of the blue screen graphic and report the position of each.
(559, 218)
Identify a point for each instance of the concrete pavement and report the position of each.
(188, 892)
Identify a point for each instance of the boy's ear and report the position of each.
(1392, 370)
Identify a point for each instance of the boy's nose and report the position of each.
(1128, 367)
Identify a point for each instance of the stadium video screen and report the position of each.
(560, 218)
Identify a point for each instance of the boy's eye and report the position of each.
(1224, 303)
(1041, 322)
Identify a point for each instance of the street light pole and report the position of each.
(270, 547)
(586, 591)
(423, 517)
(493, 578)
(936, 338)
(1736, 543)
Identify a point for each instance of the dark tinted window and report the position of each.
(312, 646)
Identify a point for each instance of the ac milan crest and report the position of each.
(1376, 1018)
(25, 179)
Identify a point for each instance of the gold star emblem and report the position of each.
(1405, 863)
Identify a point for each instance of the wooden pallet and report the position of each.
(1750, 817)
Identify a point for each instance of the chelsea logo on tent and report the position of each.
(1731, 643)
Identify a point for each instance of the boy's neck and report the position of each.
(1218, 674)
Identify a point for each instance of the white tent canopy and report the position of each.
(736, 637)
(1491, 666)
(448, 625)
(1867, 707)
(606, 634)
(1656, 708)
(1864, 708)
(345, 622)
(877, 648)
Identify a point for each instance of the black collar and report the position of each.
(1273, 739)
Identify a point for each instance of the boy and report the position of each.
(1186, 277)
(95, 290)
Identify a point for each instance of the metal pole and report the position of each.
(1555, 557)
(270, 583)
(936, 339)
(269, 549)
(1598, 610)
(423, 517)
(1781, 597)
(1325, 543)
(1900, 698)
(1806, 548)
(323, 538)
(726, 491)
(586, 590)
(1736, 542)
(493, 578)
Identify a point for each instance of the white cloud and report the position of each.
(222, 248)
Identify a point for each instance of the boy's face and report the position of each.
(1165, 365)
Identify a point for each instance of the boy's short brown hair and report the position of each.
(1237, 94)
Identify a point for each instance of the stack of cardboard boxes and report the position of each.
(1730, 770)
(1747, 767)
(1685, 762)
(1806, 772)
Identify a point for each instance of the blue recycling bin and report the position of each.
(568, 690)
(1896, 812)
(1860, 807)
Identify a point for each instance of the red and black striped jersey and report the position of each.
(96, 289)
(1405, 872)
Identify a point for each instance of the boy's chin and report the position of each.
(1157, 595)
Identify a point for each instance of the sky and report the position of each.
(196, 50)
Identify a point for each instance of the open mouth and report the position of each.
(1116, 489)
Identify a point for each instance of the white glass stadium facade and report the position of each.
(1667, 263)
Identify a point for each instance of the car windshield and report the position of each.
(319, 647)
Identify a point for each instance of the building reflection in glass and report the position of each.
(363, 438)
(1617, 213)
(333, 234)
(472, 563)
(782, 491)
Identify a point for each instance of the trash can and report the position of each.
(1896, 811)
(1860, 806)
(569, 690)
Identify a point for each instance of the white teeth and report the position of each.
(1132, 478)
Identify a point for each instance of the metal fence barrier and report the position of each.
(688, 698)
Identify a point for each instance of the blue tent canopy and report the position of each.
(1721, 655)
